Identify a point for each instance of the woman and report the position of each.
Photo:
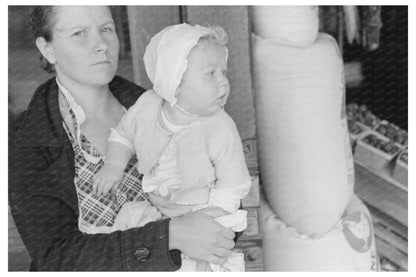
(56, 150)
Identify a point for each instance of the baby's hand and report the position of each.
(168, 208)
(107, 179)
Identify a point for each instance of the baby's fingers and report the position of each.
(114, 187)
(95, 184)
(101, 187)
(107, 187)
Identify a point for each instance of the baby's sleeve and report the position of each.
(233, 180)
(125, 130)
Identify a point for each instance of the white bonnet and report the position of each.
(165, 58)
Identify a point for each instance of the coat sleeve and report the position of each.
(233, 180)
(48, 224)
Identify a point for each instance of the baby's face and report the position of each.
(204, 87)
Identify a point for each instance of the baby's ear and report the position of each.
(46, 49)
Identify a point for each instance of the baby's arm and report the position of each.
(120, 149)
(111, 174)
(233, 180)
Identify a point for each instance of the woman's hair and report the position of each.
(218, 36)
(40, 21)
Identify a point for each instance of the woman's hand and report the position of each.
(168, 208)
(198, 236)
(107, 179)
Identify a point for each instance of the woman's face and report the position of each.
(84, 44)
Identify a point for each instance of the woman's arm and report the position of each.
(199, 236)
(48, 225)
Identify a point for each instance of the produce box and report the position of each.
(356, 131)
(393, 132)
(375, 151)
(362, 115)
(400, 172)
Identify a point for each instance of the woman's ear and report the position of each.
(46, 49)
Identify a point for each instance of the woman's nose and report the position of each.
(100, 44)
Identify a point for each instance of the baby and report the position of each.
(188, 147)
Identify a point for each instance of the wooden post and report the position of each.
(145, 22)
(235, 21)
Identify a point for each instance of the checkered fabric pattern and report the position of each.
(94, 210)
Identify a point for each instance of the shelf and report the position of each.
(382, 193)
(386, 174)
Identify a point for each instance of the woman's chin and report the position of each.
(102, 79)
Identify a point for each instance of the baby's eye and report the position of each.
(211, 73)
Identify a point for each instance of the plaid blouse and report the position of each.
(96, 213)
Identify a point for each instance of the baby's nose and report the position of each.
(223, 81)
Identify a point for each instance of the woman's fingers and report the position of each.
(222, 252)
(216, 260)
(214, 212)
(225, 243)
(228, 233)
(202, 266)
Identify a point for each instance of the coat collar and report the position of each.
(42, 123)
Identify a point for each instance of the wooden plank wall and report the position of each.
(144, 23)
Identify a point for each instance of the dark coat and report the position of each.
(44, 205)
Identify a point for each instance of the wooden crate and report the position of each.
(388, 203)
(391, 239)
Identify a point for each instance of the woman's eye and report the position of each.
(108, 29)
(79, 33)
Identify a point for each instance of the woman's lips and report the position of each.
(101, 63)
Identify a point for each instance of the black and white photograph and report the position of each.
(198, 138)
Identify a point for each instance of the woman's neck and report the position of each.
(94, 100)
